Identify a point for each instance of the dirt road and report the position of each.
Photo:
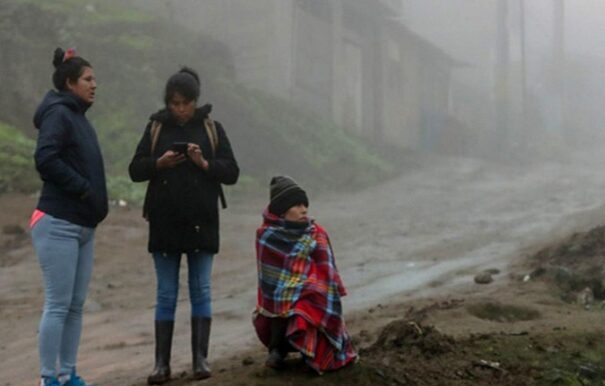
(428, 231)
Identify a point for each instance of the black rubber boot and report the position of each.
(200, 337)
(163, 346)
(278, 346)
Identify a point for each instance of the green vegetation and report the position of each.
(121, 188)
(574, 266)
(133, 53)
(298, 143)
(17, 171)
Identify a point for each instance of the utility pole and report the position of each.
(522, 39)
(559, 61)
(501, 77)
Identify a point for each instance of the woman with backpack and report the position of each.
(185, 157)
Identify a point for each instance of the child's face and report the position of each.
(296, 213)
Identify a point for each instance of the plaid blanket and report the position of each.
(298, 280)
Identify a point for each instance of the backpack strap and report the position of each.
(213, 136)
(154, 133)
(156, 127)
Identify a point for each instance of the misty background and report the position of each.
(338, 94)
(446, 137)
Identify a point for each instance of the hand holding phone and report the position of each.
(195, 154)
(179, 147)
(172, 157)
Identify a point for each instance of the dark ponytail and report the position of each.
(185, 82)
(68, 67)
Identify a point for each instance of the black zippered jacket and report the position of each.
(182, 202)
(69, 161)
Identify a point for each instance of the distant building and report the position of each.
(352, 61)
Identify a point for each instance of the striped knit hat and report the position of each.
(285, 193)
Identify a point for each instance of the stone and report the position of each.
(484, 278)
(585, 297)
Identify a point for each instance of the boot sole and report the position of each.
(160, 381)
(199, 377)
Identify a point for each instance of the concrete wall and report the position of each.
(338, 59)
(312, 70)
(259, 34)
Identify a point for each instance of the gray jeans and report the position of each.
(65, 253)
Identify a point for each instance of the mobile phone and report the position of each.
(179, 147)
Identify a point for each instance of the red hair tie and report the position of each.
(70, 53)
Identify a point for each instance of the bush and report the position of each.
(17, 170)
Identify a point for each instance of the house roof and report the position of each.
(429, 48)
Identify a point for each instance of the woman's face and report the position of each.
(296, 213)
(85, 86)
(181, 108)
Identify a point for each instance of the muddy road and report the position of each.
(428, 231)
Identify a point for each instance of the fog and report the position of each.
(471, 130)
(557, 44)
(488, 78)
(490, 82)
(491, 79)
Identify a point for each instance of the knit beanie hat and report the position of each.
(285, 193)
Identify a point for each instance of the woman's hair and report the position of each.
(185, 82)
(67, 67)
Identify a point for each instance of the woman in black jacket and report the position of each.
(72, 202)
(186, 157)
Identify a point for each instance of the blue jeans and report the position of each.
(167, 273)
(65, 253)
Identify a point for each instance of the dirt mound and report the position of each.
(575, 266)
(408, 353)
(410, 338)
(577, 250)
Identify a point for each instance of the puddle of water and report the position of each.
(373, 286)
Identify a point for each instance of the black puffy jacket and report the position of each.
(182, 202)
(69, 161)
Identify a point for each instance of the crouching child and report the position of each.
(299, 288)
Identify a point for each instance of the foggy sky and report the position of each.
(466, 29)
(458, 25)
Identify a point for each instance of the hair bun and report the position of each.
(190, 71)
(58, 57)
